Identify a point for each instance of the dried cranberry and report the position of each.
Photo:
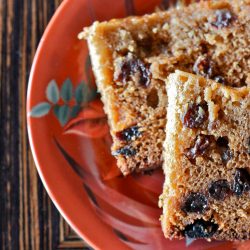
(134, 69)
(126, 151)
(195, 203)
(219, 79)
(204, 66)
(201, 145)
(219, 189)
(200, 229)
(223, 18)
(224, 150)
(241, 182)
(128, 134)
(195, 115)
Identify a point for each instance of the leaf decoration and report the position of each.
(56, 109)
(91, 122)
(79, 95)
(61, 101)
(84, 93)
(137, 210)
(52, 92)
(75, 166)
(40, 110)
(63, 114)
(75, 110)
(120, 235)
(90, 195)
(67, 90)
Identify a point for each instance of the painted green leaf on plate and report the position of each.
(56, 110)
(52, 92)
(40, 109)
(84, 93)
(79, 95)
(63, 114)
(75, 111)
(66, 90)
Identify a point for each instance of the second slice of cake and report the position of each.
(207, 160)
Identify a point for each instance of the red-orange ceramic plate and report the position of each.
(70, 140)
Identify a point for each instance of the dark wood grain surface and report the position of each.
(28, 219)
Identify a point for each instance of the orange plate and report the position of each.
(70, 140)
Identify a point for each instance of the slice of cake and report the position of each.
(132, 57)
(206, 160)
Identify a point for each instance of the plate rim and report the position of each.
(42, 44)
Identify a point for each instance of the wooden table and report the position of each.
(28, 219)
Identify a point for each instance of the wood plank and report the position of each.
(28, 219)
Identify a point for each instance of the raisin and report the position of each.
(226, 155)
(136, 70)
(142, 73)
(195, 203)
(126, 151)
(195, 115)
(222, 142)
(200, 229)
(219, 79)
(128, 134)
(201, 145)
(146, 45)
(204, 47)
(241, 182)
(224, 17)
(204, 66)
(224, 150)
(125, 71)
(219, 190)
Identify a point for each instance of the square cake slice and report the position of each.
(207, 163)
(132, 57)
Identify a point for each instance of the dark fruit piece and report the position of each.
(219, 190)
(201, 145)
(128, 134)
(200, 229)
(222, 142)
(195, 203)
(241, 182)
(146, 44)
(226, 155)
(224, 150)
(219, 79)
(126, 151)
(134, 69)
(204, 66)
(223, 18)
(195, 115)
